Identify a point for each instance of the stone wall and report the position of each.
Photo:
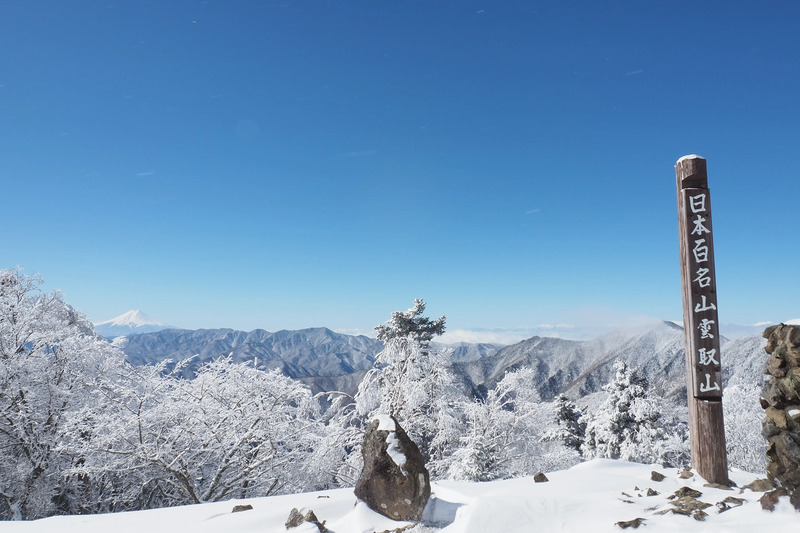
(781, 402)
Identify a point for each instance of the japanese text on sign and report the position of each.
(704, 308)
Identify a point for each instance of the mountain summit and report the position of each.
(133, 321)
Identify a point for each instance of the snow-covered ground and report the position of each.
(590, 497)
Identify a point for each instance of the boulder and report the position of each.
(394, 481)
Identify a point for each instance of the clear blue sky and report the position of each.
(280, 165)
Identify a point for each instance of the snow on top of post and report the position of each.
(690, 156)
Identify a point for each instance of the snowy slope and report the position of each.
(590, 497)
(133, 321)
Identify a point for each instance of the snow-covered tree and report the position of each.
(231, 432)
(83, 431)
(743, 418)
(413, 383)
(628, 424)
(48, 355)
(503, 432)
(568, 429)
(411, 324)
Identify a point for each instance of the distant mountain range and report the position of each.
(326, 360)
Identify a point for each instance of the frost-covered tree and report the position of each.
(503, 432)
(743, 418)
(413, 383)
(83, 431)
(628, 424)
(411, 324)
(568, 429)
(231, 432)
(48, 356)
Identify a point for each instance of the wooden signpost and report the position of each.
(700, 322)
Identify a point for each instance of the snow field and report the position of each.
(590, 497)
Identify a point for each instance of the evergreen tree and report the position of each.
(413, 383)
(569, 429)
(628, 424)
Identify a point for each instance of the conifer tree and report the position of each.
(412, 382)
(569, 429)
(627, 425)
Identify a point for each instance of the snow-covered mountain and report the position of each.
(310, 355)
(133, 321)
(326, 360)
(578, 368)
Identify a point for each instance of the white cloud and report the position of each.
(508, 336)
(356, 332)
(482, 336)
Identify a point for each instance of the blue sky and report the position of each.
(280, 165)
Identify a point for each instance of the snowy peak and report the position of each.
(133, 321)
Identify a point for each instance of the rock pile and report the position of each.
(781, 402)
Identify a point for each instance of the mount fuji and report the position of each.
(133, 321)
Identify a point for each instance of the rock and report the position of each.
(759, 485)
(770, 499)
(540, 478)
(651, 492)
(685, 492)
(394, 481)
(635, 523)
(240, 508)
(398, 529)
(794, 498)
(295, 519)
(657, 476)
(776, 366)
(719, 486)
(690, 504)
(686, 473)
(729, 503)
(781, 402)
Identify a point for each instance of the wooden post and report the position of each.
(700, 322)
